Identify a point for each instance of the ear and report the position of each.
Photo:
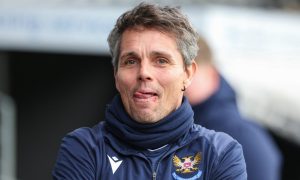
(190, 71)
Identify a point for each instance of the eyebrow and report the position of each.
(154, 53)
(128, 54)
(161, 53)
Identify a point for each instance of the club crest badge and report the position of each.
(187, 165)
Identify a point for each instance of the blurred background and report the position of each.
(56, 75)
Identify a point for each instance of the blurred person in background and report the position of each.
(149, 130)
(215, 107)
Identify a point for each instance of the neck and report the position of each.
(148, 136)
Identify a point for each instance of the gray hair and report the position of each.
(165, 19)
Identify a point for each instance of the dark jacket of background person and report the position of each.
(220, 112)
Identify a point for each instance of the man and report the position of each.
(215, 107)
(148, 131)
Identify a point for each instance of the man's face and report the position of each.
(151, 74)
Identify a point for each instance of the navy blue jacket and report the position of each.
(220, 113)
(98, 153)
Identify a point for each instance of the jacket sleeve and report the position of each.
(230, 165)
(75, 157)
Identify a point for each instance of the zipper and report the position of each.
(157, 164)
(154, 176)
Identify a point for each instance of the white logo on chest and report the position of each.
(114, 163)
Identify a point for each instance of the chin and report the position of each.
(146, 118)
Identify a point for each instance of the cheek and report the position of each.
(123, 83)
(173, 83)
(119, 82)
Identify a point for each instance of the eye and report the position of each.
(162, 61)
(130, 62)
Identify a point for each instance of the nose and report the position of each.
(145, 72)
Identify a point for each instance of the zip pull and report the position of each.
(154, 175)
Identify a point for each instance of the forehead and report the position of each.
(137, 39)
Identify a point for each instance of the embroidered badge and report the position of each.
(188, 164)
